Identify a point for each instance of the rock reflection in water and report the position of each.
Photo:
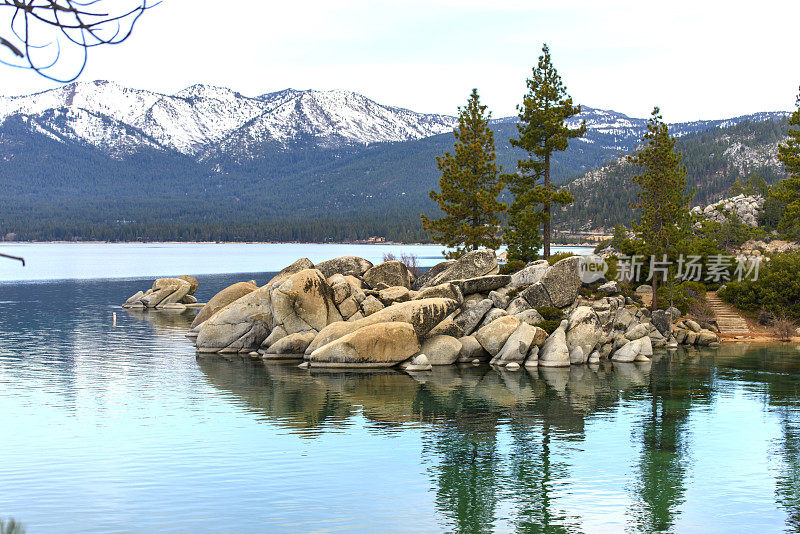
(463, 410)
(448, 394)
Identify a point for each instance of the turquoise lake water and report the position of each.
(122, 429)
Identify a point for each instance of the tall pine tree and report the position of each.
(788, 189)
(542, 131)
(663, 202)
(470, 184)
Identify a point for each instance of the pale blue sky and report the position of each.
(697, 59)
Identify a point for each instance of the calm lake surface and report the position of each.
(122, 429)
(82, 261)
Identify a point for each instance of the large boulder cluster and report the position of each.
(689, 332)
(746, 209)
(347, 312)
(166, 294)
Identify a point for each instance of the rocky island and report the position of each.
(347, 312)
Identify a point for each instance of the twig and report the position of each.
(13, 258)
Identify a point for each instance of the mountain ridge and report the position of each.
(77, 160)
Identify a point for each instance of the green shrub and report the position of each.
(549, 326)
(776, 290)
(678, 297)
(512, 267)
(686, 296)
(695, 290)
(558, 257)
(550, 314)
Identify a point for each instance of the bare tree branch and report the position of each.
(13, 258)
(38, 28)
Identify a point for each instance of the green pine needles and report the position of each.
(663, 201)
(542, 131)
(470, 184)
(788, 189)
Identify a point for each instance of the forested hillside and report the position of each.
(714, 160)
(72, 169)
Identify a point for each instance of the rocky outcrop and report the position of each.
(530, 274)
(562, 281)
(376, 345)
(164, 293)
(291, 346)
(423, 315)
(300, 265)
(345, 265)
(470, 265)
(746, 208)
(482, 284)
(494, 335)
(584, 332)
(222, 299)
(356, 314)
(441, 349)
(388, 274)
(241, 326)
(304, 303)
(517, 346)
(554, 352)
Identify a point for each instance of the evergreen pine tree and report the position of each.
(542, 131)
(788, 190)
(663, 203)
(469, 184)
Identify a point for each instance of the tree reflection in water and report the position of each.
(493, 441)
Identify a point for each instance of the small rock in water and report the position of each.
(476, 362)
(419, 363)
(253, 354)
(303, 365)
(513, 366)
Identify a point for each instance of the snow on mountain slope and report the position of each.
(207, 122)
(332, 119)
(193, 120)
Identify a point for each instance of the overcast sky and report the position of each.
(697, 59)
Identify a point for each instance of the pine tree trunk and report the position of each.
(655, 293)
(546, 237)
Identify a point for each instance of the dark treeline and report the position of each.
(57, 191)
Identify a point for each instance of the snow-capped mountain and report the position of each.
(211, 123)
(203, 120)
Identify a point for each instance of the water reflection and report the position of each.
(494, 441)
(128, 424)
